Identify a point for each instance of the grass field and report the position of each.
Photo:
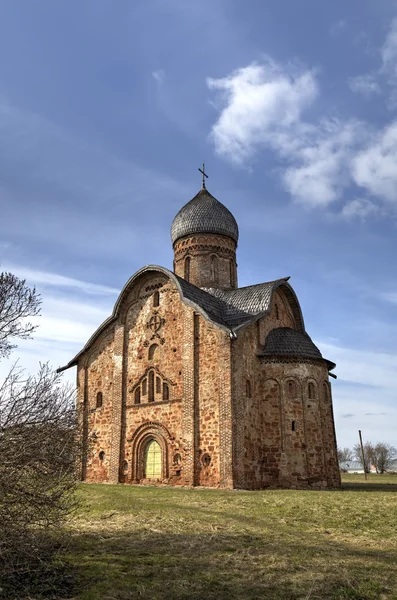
(158, 542)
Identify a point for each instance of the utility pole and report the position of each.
(362, 454)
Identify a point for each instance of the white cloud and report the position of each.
(359, 208)
(375, 168)
(365, 85)
(259, 105)
(321, 168)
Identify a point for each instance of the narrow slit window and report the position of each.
(156, 299)
(293, 426)
(152, 351)
(158, 385)
(248, 388)
(137, 397)
(144, 387)
(151, 387)
(187, 268)
(166, 391)
(311, 392)
(214, 269)
(231, 270)
(291, 389)
(99, 399)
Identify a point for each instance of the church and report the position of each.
(195, 381)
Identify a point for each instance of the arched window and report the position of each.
(151, 386)
(231, 272)
(144, 387)
(102, 455)
(137, 396)
(187, 268)
(248, 388)
(166, 392)
(99, 399)
(277, 313)
(292, 389)
(311, 391)
(156, 299)
(158, 385)
(152, 350)
(214, 269)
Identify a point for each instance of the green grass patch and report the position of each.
(170, 543)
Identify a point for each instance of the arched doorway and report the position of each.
(152, 464)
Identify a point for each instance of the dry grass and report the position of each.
(166, 543)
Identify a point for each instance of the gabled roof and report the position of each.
(230, 310)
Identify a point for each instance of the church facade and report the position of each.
(195, 381)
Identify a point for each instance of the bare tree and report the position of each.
(38, 448)
(17, 303)
(344, 454)
(383, 455)
(368, 455)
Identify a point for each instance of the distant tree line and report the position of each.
(380, 455)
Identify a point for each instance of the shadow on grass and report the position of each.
(158, 566)
(369, 487)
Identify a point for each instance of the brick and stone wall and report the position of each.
(222, 415)
(211, 261)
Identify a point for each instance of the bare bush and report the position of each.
(39, 447)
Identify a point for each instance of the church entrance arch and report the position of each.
(152, 460)
(150, 452)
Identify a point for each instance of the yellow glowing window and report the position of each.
(153, 460)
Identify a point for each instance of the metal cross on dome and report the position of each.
(204, 175)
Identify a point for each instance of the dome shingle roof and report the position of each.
(204, 214)
(284, 341)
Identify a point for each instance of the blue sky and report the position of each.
(107, 109)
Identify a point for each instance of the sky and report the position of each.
(107, 109)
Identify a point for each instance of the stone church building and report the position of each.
(195, 381)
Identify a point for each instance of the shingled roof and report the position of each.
(290, 343)
(204, 214)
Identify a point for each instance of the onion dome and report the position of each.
(204, 214)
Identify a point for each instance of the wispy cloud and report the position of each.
(159, 76)
(53, 280)
(367, 85)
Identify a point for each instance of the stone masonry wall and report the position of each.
(287, 430)
(99, 380)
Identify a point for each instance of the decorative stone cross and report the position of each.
(204, 175)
